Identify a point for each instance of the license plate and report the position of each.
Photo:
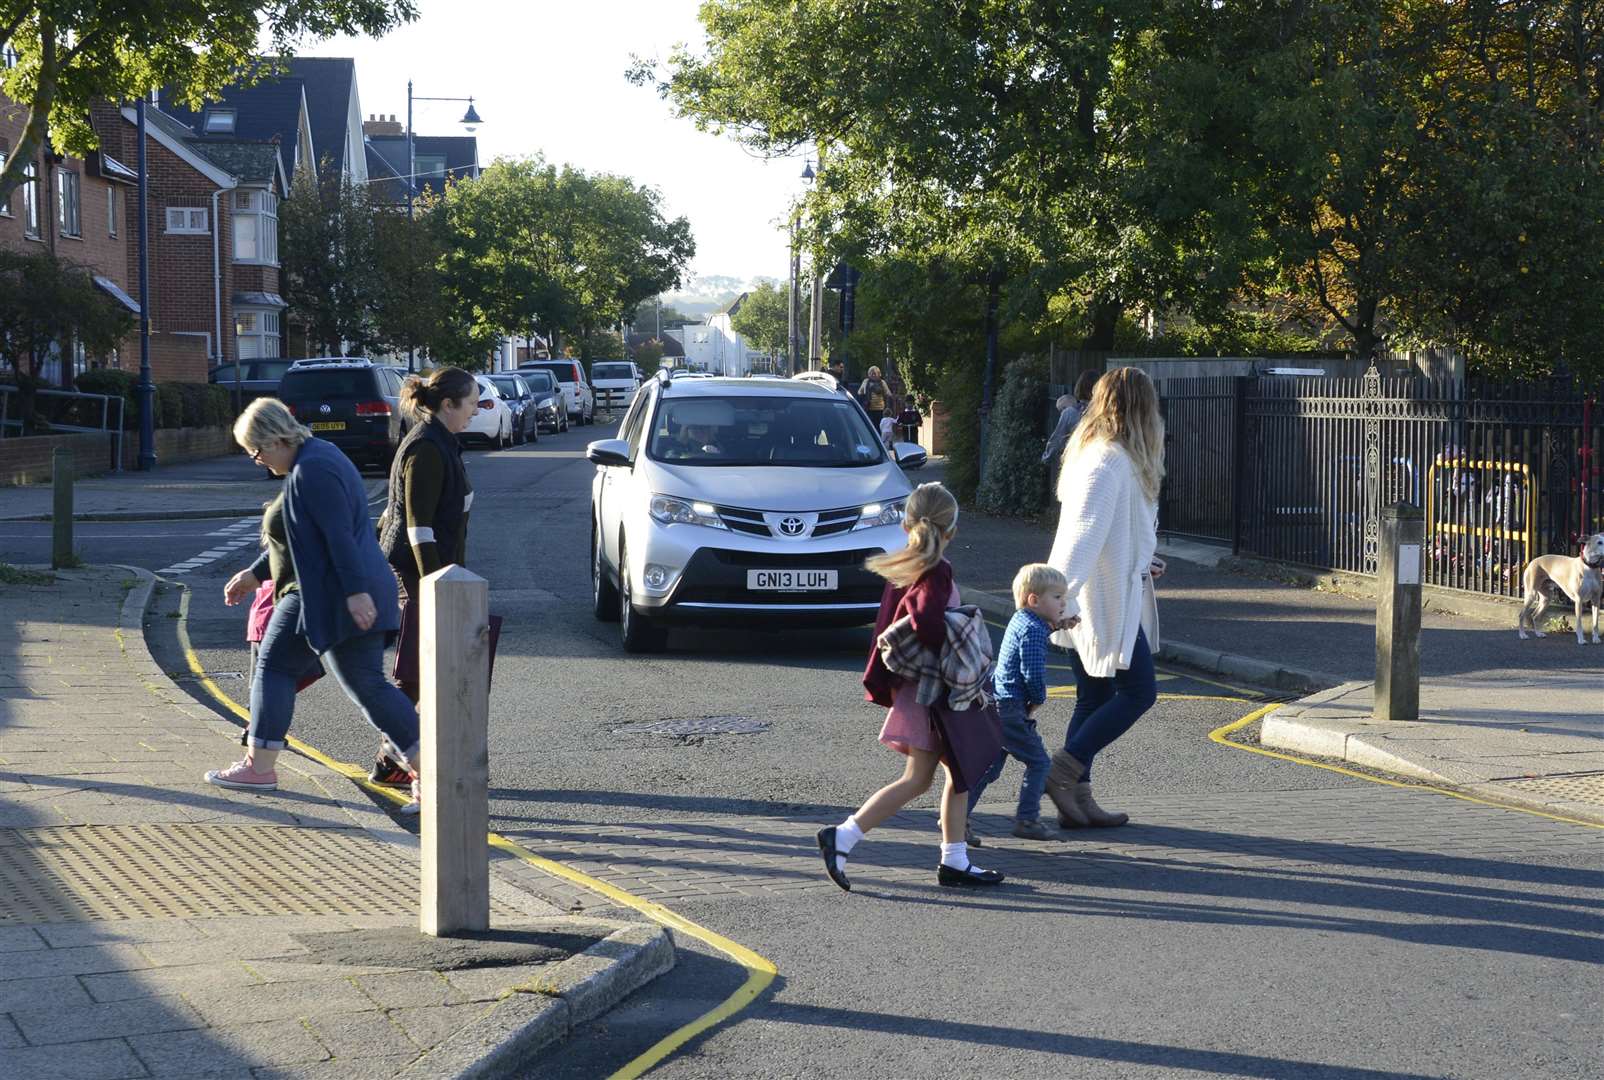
(328, 425)
(791, 580)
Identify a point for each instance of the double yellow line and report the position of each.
(760, 971)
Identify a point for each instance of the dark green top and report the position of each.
(275, 563)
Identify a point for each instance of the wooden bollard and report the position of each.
(454, 667)
(1398, 573)
(63, 473)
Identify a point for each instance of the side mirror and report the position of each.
(909, 455)
(609, 452)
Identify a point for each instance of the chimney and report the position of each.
(380, 125)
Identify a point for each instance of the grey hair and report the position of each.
(266, 421)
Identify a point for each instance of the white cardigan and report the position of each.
(1107, 536)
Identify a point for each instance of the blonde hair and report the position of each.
(266, 421)
(931, 519)
(1124, 410)
(422, 395)
(1038, 578)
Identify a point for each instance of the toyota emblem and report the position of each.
(792, 526)
(324, 409)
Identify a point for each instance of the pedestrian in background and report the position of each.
(336, 595)
(1105, 546)
(919, 586)
(908, 419)
(424, 526)
(1070, 409)
(875, 395)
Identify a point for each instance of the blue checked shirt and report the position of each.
(1022, 660)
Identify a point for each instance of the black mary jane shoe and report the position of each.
(827, 849)
(947, 875)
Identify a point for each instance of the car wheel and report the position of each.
(565, 422)
(504, 438)
(639, 633)
(604, 594)
(534, 433)
(519, 436)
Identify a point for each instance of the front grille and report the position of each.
(753, 523)
(835, 522)
(744, 521)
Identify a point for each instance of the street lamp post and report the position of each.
(793, 351)
(147, 388)
(470, 123)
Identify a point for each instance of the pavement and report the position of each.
(1513, 721)
(152, 925)
(214, 488)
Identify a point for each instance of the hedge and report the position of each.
(178, 404)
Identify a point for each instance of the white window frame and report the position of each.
(190, 221)
(256, 224)
(5, 204)
(259, 338)
(30, 201)
(69, 202)
(111, 211)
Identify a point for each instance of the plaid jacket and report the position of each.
(962, 669)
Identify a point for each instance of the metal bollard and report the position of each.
(63, 472)
(454, 701)
(1398, 574)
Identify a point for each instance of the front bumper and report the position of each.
(613, 397)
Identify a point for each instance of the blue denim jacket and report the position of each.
(335, 549)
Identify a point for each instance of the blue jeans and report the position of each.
(1021, 741)
(357, 664)
(1105, 709)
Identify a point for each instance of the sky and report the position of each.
(547, 76)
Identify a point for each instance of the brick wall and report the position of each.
(933, 430)
(28, 461)
(174, 445)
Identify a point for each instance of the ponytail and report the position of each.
(422, 397)
(931, 519)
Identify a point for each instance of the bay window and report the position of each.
(256, 333)
(256, 227)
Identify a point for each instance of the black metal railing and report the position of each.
(1298, 470)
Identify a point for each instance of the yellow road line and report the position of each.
(760, 971)
(1219, 735)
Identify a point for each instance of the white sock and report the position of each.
(955, 855)
(847, 835)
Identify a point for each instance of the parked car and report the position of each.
(492, 422)
(258, 378)
(352, 402)
(570, 376)
(550, 408)
(740, 501)
(615, 382)
(521, 400)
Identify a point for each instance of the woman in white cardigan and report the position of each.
(1107, 536)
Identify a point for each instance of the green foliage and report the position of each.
(959, 393)
(763, 318)
(649, 357)
(1016, 481)
(169, 405)
(329, 266)
(204, 404)
(114, 383)
(596, 345)
(71, 55)
(647, 316)
(11, 575)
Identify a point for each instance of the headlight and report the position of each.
(881, 513)
(671, 511)
(547, 403)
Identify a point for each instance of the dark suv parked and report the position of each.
(351, 402)
(258, 378)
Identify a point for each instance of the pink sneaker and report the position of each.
(241, 777)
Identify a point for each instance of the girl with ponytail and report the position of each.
(919, 585)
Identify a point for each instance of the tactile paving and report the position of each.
(1580, 787)
(79, 873)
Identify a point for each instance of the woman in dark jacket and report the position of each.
(336, 595)
(425, 523)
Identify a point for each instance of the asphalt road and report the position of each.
(1258, 918)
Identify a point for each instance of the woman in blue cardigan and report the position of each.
(335, 595)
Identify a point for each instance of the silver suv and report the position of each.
(740, 501)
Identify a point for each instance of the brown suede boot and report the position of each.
(1095, 815)
(1062, 777)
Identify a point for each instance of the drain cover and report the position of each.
(696, 725)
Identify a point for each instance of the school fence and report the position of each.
(1298, 470)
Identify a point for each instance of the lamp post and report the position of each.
(793, 349)
(470, 123)
(147, 388)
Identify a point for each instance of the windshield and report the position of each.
(763, 431)
(508, 387)
(562, 371)
(330, 383)
(611, 371)
(539, 382)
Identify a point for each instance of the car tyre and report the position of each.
(504, 438)
(604, 594)
(639, 633)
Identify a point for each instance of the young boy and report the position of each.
(1020, 686)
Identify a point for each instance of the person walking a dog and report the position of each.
(1105, 548)
(919, 586)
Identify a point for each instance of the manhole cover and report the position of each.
(696, 725)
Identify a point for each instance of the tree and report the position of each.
(71, 54)
(649, 356)
(415, 304)
(328, 261)
(534, 246)
(648, 315)
(600, 344)
(763, 318)
(47, 302)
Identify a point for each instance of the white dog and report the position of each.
(1580, 578)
